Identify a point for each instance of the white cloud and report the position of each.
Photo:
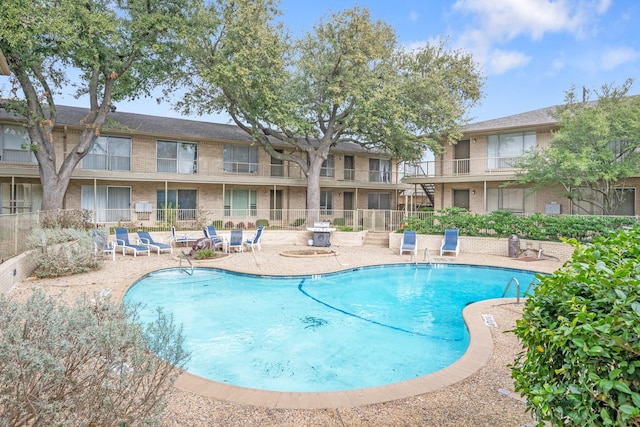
(500, 61)
(413, 16)
(498, 22)
(614, 57)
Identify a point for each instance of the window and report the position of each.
(503, 149)
(379, 170)
(277, 166)
(176, 205)
(240, 203)
(510, 199)
(326, 203)
(14, 145)
(109, 153)
(177, 157)
(328, 167)
(108, 204)
(379, 201)
(586, 201)
(240, 158)
(349, 168)
(21, 197)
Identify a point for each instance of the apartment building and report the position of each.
(472, 174)
(146, 168)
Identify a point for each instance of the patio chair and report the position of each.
(235, 241)
(145, 239)
(184, 239)
(254, 241)
(409, 243)
(122, 241)
(103, 246)
(450, 242)
(210, 233)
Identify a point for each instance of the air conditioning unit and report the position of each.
(143, 207)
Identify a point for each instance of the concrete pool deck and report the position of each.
(475, 391)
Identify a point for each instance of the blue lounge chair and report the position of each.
(409, 243)
(122, 241)
(255, 240)
(145, 239)
(235, 241)
(450, 242)
(184, 239)
(210, 233)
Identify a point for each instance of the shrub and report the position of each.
(62, 252)
(581, 333)
(298, 222)
(228, 225)
(76, 218)
(251, 225)
(240, 225)
(205, 253)
(504, 223)
(338, 222)
(85, 363)
(262, 223)
(217, 223)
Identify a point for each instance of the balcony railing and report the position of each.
(207, 167)
(459, 167)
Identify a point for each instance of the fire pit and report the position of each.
(321, 231)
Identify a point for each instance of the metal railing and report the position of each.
(15, 228)
(208, 167)
(459, 167)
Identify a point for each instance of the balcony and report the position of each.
(205, 170)
(469, 168)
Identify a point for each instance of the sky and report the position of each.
(531, 52)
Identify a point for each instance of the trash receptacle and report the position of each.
(514, 246)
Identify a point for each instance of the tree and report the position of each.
(346, 81)
(86, 363)
(581, 335)
(120, 50)
(594, 150)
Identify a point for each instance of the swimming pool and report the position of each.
(354, 329)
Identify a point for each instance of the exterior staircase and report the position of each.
(378, 240)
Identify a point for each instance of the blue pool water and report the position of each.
(360, 328)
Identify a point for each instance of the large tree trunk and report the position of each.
(313, 188)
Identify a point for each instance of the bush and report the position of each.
(62, 252)
(84, 363)
(217, 223)
(298, 222)
(228, 225)
(240, 226)
(581, 333)
(205, 253)
(338, 222)
(504, 223)
(78, 218)
(262, 223)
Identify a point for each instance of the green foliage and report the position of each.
(504, 223)
(594, 150)
(62, 251)
(85, 363)
(217, 224)
(581, 333)
(205, 253)
(262, 223)
(169, 214)
(298, 222)
(344, 228)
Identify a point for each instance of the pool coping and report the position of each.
(476, 356)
